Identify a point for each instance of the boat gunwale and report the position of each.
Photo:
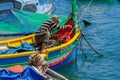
(3, 56)
(47, 59)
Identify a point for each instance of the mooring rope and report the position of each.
(90, 44)
(80, 45)
(84, 35)
(85, 11)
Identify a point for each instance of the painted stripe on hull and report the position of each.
(61, 60)
(13, 61)
(65, 62)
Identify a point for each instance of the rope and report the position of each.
(71, 30)
(37, 60)
(84, 35)
(90, 44)
(80, 45)
(85, 10)
(82, 14)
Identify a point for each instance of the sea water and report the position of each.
(103, 34)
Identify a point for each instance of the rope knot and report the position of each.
(36, 60)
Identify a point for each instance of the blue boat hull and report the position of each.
(24, 59)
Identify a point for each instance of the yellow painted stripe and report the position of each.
(65, 44)
(34, 52)
(18, 41)
(17, 55)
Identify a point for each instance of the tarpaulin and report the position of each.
(28, 74)
(23, 48)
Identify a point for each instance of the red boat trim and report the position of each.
(59, 61)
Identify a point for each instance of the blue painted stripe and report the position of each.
(15, 60)
(68, 60)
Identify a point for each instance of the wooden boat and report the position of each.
(33, 6)
(57, 56)
(26, 74)
(27, 5)
(19, 72)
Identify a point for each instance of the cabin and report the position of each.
(26, 5)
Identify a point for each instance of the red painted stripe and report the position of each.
(59, 61)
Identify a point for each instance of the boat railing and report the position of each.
(53, 74)
(56, 75)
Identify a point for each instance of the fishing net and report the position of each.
(15, 22)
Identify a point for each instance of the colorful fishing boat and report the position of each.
(62, 53)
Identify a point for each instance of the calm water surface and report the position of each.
(103, 34)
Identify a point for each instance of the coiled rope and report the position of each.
(37, 60)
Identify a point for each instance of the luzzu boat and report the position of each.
(57, 56)
(27, 5)
(33, 6)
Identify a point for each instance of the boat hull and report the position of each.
(62, 53)
(54, 63)
(63, 62)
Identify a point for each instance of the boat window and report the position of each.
(17, 5)
(30, 8)
(5, 5)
